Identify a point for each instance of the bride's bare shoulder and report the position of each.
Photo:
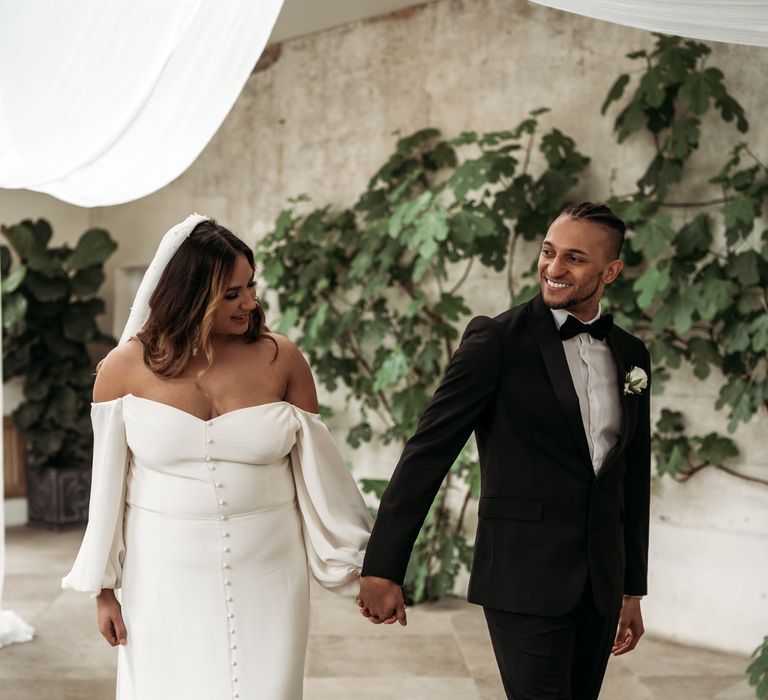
(287, 354)
(300, 385)
(116, 369)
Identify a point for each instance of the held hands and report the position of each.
(110, 618)
(630, 627)
(381, 600)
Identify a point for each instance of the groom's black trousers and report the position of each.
(553, 658)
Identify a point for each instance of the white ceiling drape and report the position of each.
(103, 103)
(12, 628)
(732, 21)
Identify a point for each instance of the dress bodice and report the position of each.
(183, 466)
(161, 436)
(156, 457)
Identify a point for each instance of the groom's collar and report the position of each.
(560, 316)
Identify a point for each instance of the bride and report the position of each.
(215, 487)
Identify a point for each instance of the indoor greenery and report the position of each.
(697, 268)
(758, 670)
(374, 291)
(369, 289)
(696, 284)
(49, 317)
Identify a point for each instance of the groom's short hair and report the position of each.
(599, 214)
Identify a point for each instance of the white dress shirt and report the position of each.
(593, 371)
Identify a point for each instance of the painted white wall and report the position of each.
(15, 511)
(321, 119)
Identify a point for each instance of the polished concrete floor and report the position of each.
(443, 653)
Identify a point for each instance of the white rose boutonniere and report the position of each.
(635, 381)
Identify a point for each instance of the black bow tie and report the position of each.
(599, 329)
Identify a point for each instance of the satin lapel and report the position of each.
(543, 327)
(621, 370)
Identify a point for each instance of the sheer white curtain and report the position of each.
(12, 628)
(106, 102)
(732, 21)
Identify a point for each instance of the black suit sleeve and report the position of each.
(637, 495)
(469, 384)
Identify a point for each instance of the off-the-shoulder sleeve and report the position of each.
(335, 520)
(99, 562)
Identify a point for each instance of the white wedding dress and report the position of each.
(209, 528)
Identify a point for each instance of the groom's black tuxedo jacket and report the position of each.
(546, 522)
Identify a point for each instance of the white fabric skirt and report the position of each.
(214, 609)
(208, 529)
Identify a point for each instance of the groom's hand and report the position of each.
(381, 600)
(630, 627)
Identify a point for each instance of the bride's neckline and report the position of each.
(221, 415)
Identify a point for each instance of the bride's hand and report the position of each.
(110, 618)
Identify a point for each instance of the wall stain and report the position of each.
(400, 15)
(268, 59)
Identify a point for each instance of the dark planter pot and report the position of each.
(58, 498)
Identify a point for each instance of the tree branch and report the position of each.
(462, 512)
(528, 150)
(463, 279)
(439, 517)
(745, 477)
(682, 477)
(510, 264)
(754, 157)
(407, 285)
(363, 362)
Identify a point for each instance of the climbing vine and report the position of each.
(375, 291)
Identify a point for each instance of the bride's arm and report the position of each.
(111, 384)
(109, 616)
(335, 519)
(98, 567)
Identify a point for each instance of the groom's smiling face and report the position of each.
(577, 260)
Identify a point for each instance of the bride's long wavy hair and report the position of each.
(190, 291)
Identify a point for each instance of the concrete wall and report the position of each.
(321, 118)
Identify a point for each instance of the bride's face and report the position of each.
(239, 300)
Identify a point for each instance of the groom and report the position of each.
(558, 399)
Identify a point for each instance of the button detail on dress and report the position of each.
(208, 441)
